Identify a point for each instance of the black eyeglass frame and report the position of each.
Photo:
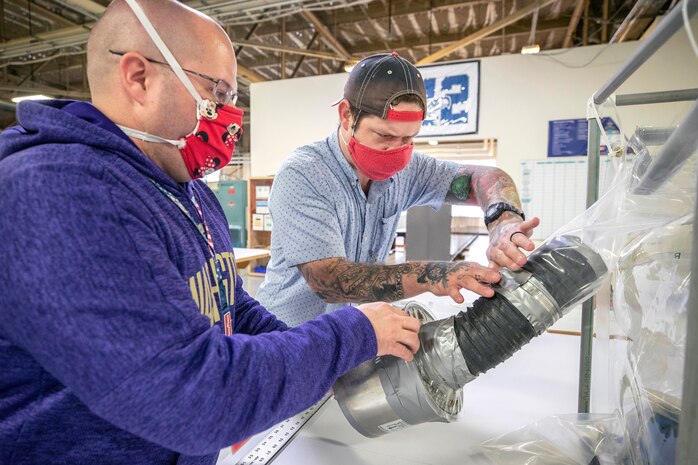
(231, 97)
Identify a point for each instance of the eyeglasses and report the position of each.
(222, 91)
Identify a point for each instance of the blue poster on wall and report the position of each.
(568, 137)
(453, 93)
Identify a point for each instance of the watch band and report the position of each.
(496, 210)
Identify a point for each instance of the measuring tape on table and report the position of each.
(280, 436)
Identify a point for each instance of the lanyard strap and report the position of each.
(205, 234)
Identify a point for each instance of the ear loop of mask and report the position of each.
(353, 126)
(160, 44)
(179, 72)
(179, 143)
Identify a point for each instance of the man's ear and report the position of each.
(345, 117)
(136, 76)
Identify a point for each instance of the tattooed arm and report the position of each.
(484, 186)
(337, 280)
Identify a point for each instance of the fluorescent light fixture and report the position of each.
(349, 66)
(530, 49)
(31, 97)
(433, 142)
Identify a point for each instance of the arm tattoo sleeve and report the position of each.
(459, 192)
(483, 186)
(338, 280)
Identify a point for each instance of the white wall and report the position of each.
(518, 96)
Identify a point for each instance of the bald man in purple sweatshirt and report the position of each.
(125, 334)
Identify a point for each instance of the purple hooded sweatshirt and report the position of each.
(112, 349)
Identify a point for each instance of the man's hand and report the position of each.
(448, 278)
(507, 235)
(396, 333)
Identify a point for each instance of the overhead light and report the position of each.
(530, 49)
(433, 142)
(31, 97)
(349, 66)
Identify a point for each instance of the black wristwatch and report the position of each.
(495, 210)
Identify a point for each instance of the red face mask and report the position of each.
(209, 147)
(378, 165)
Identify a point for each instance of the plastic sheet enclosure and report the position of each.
(639, 348)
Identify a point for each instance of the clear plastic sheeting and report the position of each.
(579, 439)
(642, 226)
(650, 303)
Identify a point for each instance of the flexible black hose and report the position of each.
(490, 332)
(493, 329)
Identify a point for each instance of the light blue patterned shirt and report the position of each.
(320, 211)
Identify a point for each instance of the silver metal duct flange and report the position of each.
(387, 394)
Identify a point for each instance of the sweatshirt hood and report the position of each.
(44, 122)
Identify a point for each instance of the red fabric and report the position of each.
(376, 164)
(210, 146)
(395, 115)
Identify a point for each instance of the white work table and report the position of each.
(244, 256)
(538, 381)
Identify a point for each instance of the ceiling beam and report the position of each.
(418, 44)
(326, 34)
(484, 32)
(249, 75)
(377, 10)
(302, 58)
(639, 18)
(293, 50)
(574, 22)
(46, 13)
(447, 39)
(87, 8)
(45, 41)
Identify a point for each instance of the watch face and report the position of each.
(492, 210)
(495, 210)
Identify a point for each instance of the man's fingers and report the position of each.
(397, 311)
(502, 259)
(481, 289)
(485, 274)
(528, 225)
(520, 239)
(409, 339)
(401, 351)
(454, 292)
(411, 324)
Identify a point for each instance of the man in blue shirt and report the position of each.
(336, 204)
(125, 334)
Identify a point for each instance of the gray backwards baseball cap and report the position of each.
(377, 80)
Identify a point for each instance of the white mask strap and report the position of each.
(148, 26)
(179, 143)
